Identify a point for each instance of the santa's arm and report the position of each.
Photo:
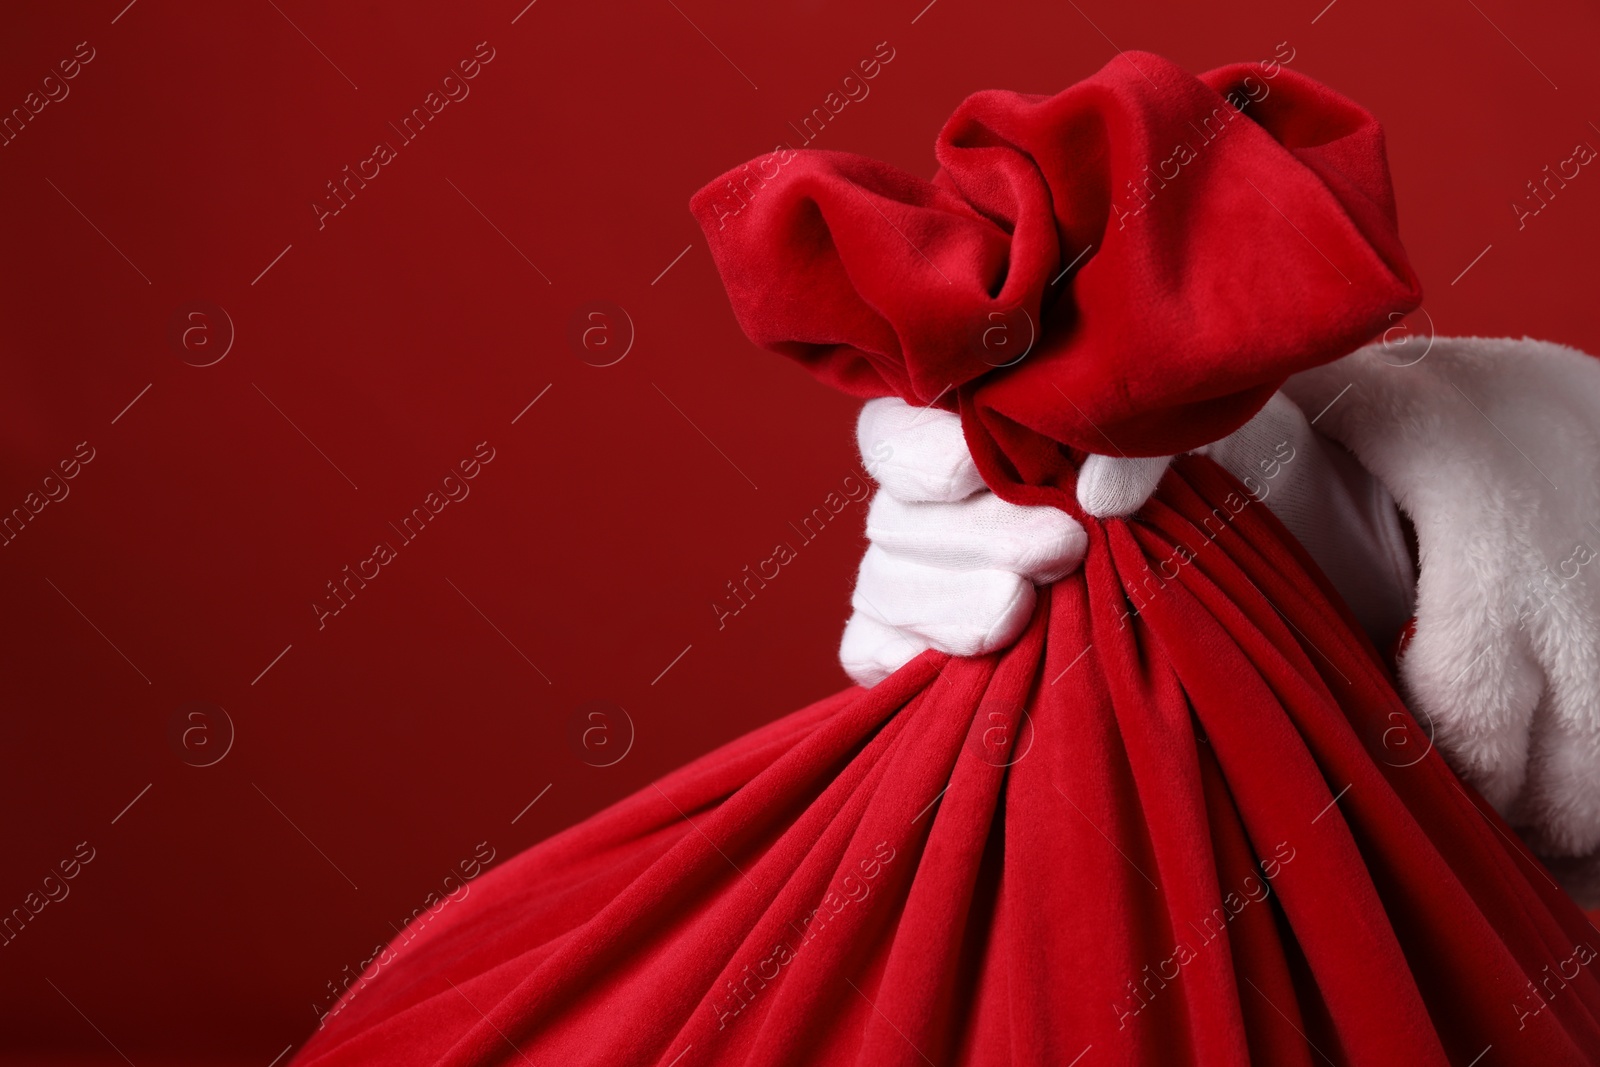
(1492, 449)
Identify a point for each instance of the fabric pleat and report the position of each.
(1186, 819)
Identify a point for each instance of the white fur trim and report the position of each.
(1492, 447)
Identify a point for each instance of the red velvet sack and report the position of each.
(1054, 273)
(1186, 818)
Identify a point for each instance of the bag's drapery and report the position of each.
(1185, 819)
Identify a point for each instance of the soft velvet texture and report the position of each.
(1271, 249)
(1185, 819)
(917, 874)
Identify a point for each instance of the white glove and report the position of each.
(1492, 447)
(953, 567)
(950, 565)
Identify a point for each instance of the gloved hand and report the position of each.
(951, 566)
(1492, 447)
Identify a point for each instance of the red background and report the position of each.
(379, 751)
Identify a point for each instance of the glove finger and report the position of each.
(871, 651)
(965, 613)
(916, 453)
(982, 532)
(1117, 486)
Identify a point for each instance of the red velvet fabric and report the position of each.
(1184, 820)
(1135, 244)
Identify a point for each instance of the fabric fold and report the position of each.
(1173, 824)
(1161, 249)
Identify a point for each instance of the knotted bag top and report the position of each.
(1131, 266)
